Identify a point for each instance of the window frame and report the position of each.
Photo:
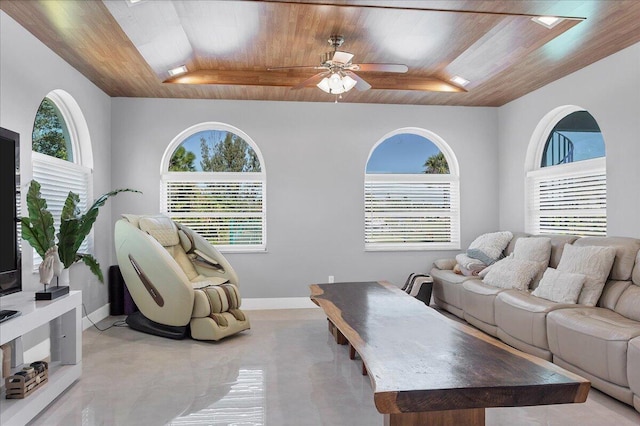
(82, 165)
(534, 172)
(167, 176)
(453, 179)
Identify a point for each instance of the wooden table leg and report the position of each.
(470, 417)
(337, 334)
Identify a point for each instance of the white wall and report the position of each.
(315, 155)
(28, 72)
(610, 91)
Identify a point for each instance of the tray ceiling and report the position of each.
(127, 48)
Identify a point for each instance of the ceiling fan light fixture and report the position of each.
(336, 84)
(178, 70)
(547, 21)
(459, 80)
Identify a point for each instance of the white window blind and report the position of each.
(227, 209)
(569, 199)
(411, 212)
(57, 177)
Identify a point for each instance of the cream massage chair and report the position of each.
(178, 280)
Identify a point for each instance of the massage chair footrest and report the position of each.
(139, 322)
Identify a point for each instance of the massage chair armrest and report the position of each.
(212, 262)
(206, 261)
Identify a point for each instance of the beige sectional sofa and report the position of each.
(600, 343)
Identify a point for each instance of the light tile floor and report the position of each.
(285, 371)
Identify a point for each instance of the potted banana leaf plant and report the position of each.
(38, 230)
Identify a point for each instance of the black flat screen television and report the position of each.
(10, 254)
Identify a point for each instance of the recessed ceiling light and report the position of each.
(178, 70)
(547, 21)
(459, 80)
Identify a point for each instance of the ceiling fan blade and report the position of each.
(400, 68)
(361, 84)
(301, 67)
(342, 57)
(312, 80)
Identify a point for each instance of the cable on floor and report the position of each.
(119, 323)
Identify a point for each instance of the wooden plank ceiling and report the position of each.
(126, 49)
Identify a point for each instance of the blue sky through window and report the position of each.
(402, 153)
(586, 145)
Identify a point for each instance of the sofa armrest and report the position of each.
(445, 264)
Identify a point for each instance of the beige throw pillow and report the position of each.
(512, 273)
(488, 248)
(536, 249)
(594, 262)
(558, 286)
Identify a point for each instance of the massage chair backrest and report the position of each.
(157, 283)
(165, 231)
(184, 244)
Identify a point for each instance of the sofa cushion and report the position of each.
(512, 273)
(626, 252)
(629, 303)
(524, 316)
(557, 247)
(488, 248)
(478, 300)
(594, 340)
(447, 288)
(635, 276)
(558, 286)
(611, 293)
(633, 365)
(594, 262)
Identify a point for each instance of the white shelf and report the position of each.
(64, 370)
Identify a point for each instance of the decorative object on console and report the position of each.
(25, 382)
(38, 230)
(50, 266)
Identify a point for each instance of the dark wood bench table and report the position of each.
(428, 369)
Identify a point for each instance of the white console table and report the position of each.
(65, 365)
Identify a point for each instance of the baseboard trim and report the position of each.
(96, 316)
(251, 304)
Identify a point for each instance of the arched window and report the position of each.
(411, 193)
(61, 157)
(566, 179)
(214, 182)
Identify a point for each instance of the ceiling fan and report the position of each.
(337, 74)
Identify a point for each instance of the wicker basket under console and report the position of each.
(23, 383)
